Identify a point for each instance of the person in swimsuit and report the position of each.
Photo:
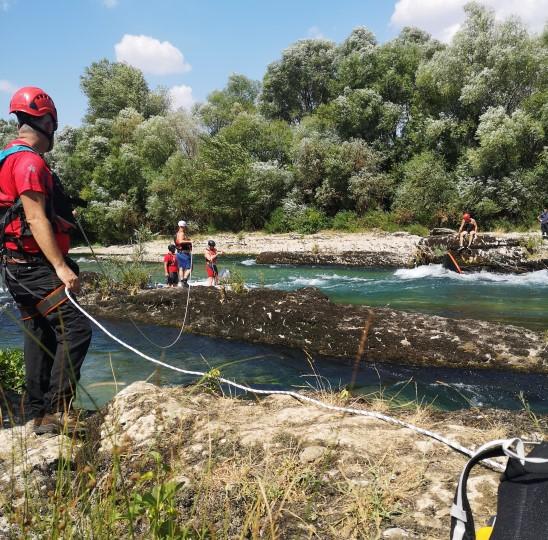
(468, 226)
(183, 244)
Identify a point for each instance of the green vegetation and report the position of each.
(235, 280)
(12, 369)
(350, 135)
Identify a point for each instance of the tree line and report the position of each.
(399, 134)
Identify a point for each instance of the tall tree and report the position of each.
(222, 106)
(300, 81)
(111, 87)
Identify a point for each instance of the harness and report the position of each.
(58, 208)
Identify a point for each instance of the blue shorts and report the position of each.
(183, 260)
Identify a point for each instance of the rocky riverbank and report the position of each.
(307, 320)
(488, 252)
(232, 468)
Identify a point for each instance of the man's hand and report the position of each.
(69, 278)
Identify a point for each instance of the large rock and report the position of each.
(306, 319)
(338, 475)
(365, 259)
(488, 252)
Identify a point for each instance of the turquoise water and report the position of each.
(511, 299)
(517, 300)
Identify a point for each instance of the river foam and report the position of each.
(540, 277)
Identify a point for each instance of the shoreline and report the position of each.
(370, 249)
(254, 243)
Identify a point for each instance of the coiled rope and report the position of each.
(248, 389)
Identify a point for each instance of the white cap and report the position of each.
(182, 223)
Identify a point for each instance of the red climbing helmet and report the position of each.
(466, 217)
(34, 102)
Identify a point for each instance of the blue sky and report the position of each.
(193, 46)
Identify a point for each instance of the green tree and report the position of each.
(111, 87)
(427, 191)
(125, 124)
(324, 166)
(362, 113)
(222, 106)
(299, 82)
(220, 181)
(267, 184)
(355, 60)
(265, 140)
(488, 64)
(8, 131)
(506, 142)
(175, 193)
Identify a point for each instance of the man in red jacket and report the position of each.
(35, 223)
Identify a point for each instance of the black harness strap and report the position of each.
(52, 301)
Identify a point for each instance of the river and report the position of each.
(509, 299)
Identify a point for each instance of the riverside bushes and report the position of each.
(411, 130)
(12, 369)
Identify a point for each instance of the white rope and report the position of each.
(175, 341)
(452, 444)
(136, 327)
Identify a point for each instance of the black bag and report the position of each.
(522, 508)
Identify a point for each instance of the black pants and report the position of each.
(544, 229)
(55, 345)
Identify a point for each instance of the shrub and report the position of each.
(427, 189)
(12, 369)
(235, 280)
(377, 219)
(310, 221)
(416, 228)
(345, 220)
(278, 222)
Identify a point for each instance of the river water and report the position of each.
(520, 300)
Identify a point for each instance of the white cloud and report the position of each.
(442, 18)
(110, 3)
(4, 5)
(315, 33)
(150, 55)
(6, 86)
(181, 96)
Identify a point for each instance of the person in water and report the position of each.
(170, 266)
(543, 219)
(211, 255)
(183, 244)
(468, 226)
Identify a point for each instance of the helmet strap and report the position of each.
(27, 119)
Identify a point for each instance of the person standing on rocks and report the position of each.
(36, 219)
(183, 244)
(468, 226)
(170, 266)
(543, 219)
(211, 255)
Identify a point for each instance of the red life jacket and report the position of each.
(58, 209)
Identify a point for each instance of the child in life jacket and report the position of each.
(170, 266)
(210, 255)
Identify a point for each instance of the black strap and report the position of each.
(52, 301)
(462, 520)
